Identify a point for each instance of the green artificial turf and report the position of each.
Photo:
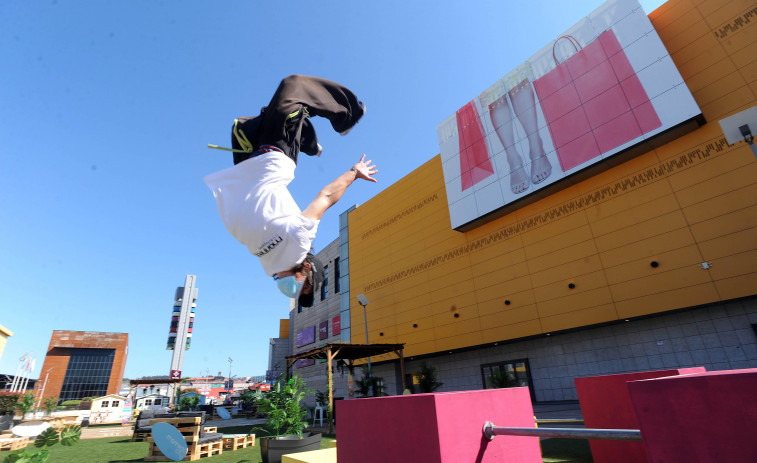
(566, 451)
(121, 450)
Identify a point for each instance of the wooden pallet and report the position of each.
(210, 429)
(208, 450)
(13, 443)
(189, 427)
(238, 441)
(194, 451)
(140, 436)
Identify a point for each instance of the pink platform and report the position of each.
(706, 417)
(436, 428)
(606, 404)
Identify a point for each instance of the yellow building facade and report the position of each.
(664, 240)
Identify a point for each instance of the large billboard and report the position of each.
(605, 85)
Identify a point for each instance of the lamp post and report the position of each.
(42, 391)
(230, 387)
(364, 302)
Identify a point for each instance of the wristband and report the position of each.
(354, 170)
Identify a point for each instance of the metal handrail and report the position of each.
(490, 430)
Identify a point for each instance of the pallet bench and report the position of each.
(190, 429)
(13, 443)
(238, 441)
(194, 451)
(143, 436)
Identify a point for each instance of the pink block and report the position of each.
(706, 417)
(606, 404)
(436, 428)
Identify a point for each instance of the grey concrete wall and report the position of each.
(717, 337)
(323, 310)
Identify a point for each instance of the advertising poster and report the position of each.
(336, 325)
(601, 87)
(127, 411)
(306, 336)
(323, 330)
(305, 363)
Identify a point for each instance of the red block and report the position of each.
(606, 404)
(706, 417)
(436, 428)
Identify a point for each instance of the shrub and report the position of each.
(281, 406)
(427, 378)
(25, 403)
(50, 404)
(322, 398)
(8, 401)
(363, 385)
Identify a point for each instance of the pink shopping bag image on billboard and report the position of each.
(475, 164)
(593, 101)
(601, 88)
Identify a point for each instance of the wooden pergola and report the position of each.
(349, 353)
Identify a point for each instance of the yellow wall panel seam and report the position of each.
(736, 243)
(579, 309)
(739, 286)
(728, 18)
(719, 108)
(724, 183)
(722, 204)
(723, 224)
(668, 27)
(642, 230)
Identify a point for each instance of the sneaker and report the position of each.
(362, 106)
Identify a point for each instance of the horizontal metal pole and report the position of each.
(560, 421)
(566, 433)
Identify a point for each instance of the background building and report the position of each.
(315, 326)
(84, 364)
(647, 262)
(5, 333)
(644, 260)
(279, 348)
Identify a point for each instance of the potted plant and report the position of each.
(25, 404)
(501, 378)
(363, 385)
(50, 404)
(427, 378)
(8, 401)
(285, 421)
(322, 398)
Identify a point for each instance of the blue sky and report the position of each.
(106, 108)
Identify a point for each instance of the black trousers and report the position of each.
(284, 122)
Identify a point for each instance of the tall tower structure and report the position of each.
(182, 321)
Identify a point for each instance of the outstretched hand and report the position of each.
(365, 170)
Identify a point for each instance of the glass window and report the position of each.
(158, 401)
(325, 285)
(336, 276)
(104, 404)
(148, 401)
(510, 373)
(87, 373)
(115, 403)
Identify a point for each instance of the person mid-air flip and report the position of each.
(252, 196)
